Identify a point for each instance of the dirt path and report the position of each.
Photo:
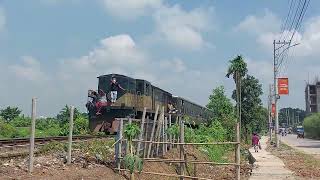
(268, 166)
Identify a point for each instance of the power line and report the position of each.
(284, 25)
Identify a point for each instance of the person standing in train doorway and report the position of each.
(114, 87)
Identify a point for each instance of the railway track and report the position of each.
(42, 140)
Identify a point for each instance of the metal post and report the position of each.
(70, 134)
(275, 94)
(238, 152)
(32, 128)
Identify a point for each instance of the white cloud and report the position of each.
(183, 29)
(112, 53)
(2, 19)
(29, 69)
(267, 23)
(130, 9)
(176, 65)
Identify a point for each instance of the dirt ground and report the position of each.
(52, 166)
(303, 165)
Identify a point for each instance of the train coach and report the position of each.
(134, 95)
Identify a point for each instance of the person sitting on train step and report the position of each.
(171, 108)
(114, 87)
(93, 95)
(101, 101)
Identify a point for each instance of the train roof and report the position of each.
(106, 75)
(189, 101)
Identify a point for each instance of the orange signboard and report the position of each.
(283, 86)
(273, 109)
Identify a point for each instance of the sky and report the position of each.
(54, 49)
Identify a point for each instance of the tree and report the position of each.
(223, 110)
(291, 116)
(237, 68)
(10, 113)
(251, 104)
(64, 115)
(237, 65)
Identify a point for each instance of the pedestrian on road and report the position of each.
(255, 142)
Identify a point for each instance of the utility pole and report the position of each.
(276, 96)
(269, 111)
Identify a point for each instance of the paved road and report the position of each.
(309, 146)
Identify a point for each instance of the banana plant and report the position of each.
(131, 160)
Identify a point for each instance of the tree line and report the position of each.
(14, 124)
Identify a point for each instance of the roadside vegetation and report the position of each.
(13, 124)
(221, 127)
(303, 165)
(311, 126)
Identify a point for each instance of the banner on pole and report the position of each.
(273, 110)
(283, 86)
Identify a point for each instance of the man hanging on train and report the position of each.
(114, 87)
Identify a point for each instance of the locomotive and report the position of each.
(130, 102)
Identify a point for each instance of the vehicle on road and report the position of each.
(300, 132)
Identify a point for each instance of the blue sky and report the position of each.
(54, 49)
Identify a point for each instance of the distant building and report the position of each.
(312, 93)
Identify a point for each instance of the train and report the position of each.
(137, 95)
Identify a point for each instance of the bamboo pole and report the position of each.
(182, 149)
(170, 136)
(120, 142)
(152, 132)
(238, 151)
(32, 128)
(165, 134)
(70, 134)
(141, 130)
(188, 144)
(146, 137)
(168, 175)
(158, 131)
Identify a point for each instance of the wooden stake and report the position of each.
(32, 128)
(70, 134)
(141, 130)
(152, 132)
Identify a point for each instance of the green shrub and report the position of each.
(21, 121)
(311, 125)
(213, 133)
(80, 127)
(7, 130)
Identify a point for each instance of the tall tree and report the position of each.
(222, 109)
(237, 65)
(251, 90)
(10, 113)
